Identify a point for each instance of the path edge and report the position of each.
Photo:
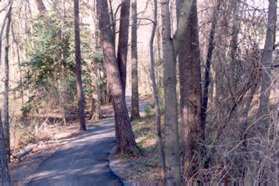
(117, 170)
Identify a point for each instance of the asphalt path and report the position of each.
(83, 161)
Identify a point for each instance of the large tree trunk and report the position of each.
(171, 139)
(155, 90)
(192, 133)
(123, 38)
(80, 93)
(134, 52)
(266, 61)
(125, 138)
(5, 111)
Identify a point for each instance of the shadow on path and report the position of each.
(83, 161)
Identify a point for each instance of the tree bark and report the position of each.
(171, 139)
(155, 90)
(123, 41)
(125, 138)
(210, 50)
(80, 92)
(134, 52)
(5, 179)
(192, 133)
(266, 62)
(5, 111)
(41, 6)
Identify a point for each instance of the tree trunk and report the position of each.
(211, 47)
(192, 133)
(80, 93)
(5, 179)
(134, 52)
(171, 139)
(266, 61)
(40, 6)
(5, 111)
(123, 41)
(155, 90)
(125, 138)
(235, 66)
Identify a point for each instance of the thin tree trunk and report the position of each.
(134, 52)
(192, 133)
(123, 38)
(5, 179)
(5, 111)
(266, 62)
(211, 47)
(80, 93)
(234, 45)
(155, 90)
(171, 138)
(125, 138)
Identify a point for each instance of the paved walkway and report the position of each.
(81, 162)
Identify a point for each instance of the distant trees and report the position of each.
(78, 70)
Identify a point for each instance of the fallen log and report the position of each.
(25, 151)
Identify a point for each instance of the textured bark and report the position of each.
(80, 92)
(40, 6)
(125, 138)
(235, 66)
(190, 95)
(210, 50)
(134, 53)
(266, 62)
(4, 168)
(123, 38)
(5, 111)
(171, 140)
(155, 90)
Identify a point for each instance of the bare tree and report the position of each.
(210, 50)
(134, 52)
(190, 95)
(4, 154)
(5, 111)
(155, 91)
(173, 175)
(80, 93)
(267, 63)
(123, 38)
(124, 134)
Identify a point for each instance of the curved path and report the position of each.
(83, 161)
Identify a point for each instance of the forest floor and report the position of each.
(82, 158)
(147, 166)
(76, 160)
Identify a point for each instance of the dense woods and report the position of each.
(189, 86)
